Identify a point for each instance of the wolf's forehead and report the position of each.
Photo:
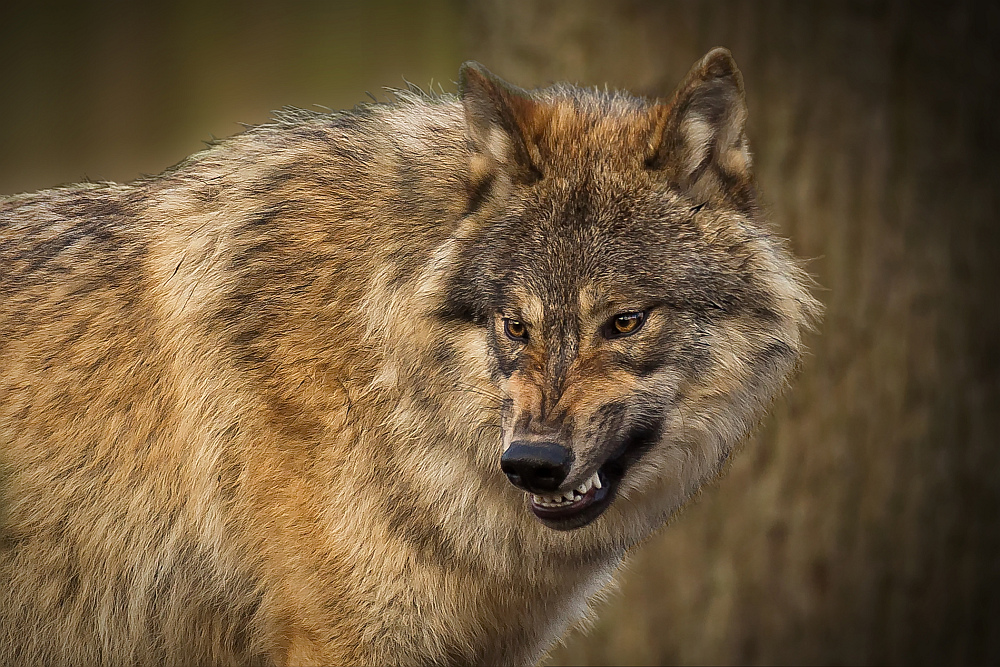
(551, 303)
(580, 135)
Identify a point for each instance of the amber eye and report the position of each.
(515, 329)
(626, 324)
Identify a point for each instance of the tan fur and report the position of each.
(235, 427)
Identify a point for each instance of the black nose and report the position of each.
(539, 467)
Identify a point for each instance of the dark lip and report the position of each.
(635, 444)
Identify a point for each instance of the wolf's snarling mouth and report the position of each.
(580, 506)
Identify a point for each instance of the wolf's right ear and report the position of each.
(504, 124)
(700, 140)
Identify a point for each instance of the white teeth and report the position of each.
(567, 497)
(551, 501)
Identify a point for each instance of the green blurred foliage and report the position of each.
(112, 90)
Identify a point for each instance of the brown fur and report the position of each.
(251, 413)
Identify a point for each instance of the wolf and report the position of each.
(397, 385)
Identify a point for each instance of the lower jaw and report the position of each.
(570, 518)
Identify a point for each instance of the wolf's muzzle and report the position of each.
(536, 467)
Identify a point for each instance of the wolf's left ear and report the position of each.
(699, 141)
(504, 124)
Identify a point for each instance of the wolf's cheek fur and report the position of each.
(713, 410)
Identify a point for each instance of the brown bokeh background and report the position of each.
(862, 524)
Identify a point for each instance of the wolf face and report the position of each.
(638, 316)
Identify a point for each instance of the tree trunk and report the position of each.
(861, 524)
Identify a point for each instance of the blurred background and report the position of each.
(862, 523)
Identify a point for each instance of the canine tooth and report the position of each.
(596, 480)
(536, 499)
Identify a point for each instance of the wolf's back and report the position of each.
(153, 334)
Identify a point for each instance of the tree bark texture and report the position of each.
(862, 523)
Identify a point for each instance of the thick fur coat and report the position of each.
(252, 410)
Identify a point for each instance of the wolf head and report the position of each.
(639, 316)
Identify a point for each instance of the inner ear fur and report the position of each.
(699, 141)
(504, 124)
